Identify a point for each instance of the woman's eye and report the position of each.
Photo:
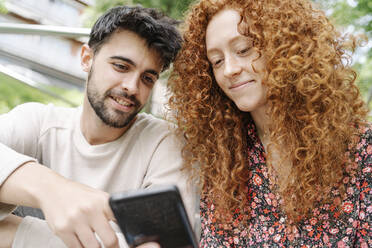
(243, 51)
(217, 63)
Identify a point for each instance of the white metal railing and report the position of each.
(68, 32)
(30, 83)
(34, 29)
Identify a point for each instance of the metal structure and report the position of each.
(33, 29)
(30, 83)
(67, 32)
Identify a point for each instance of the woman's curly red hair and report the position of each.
(313, 101)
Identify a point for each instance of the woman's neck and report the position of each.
(261, 120)
(282, 165)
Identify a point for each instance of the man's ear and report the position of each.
(86, 57)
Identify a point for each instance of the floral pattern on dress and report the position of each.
(350, 225)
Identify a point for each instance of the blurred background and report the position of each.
(40, 44)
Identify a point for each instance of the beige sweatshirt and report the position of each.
(147, 154)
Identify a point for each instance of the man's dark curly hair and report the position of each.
(158, 30)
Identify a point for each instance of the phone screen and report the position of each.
(153, 215)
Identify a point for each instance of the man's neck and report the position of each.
(95, 131)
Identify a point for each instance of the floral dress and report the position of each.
(327, 226)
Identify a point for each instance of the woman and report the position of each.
(265, 96)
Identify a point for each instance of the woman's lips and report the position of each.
(237, 85)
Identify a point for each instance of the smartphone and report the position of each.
(154, 214)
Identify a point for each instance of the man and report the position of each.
(67, 161)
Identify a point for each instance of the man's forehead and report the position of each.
(125, 43)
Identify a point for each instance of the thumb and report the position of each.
(149, 245)
(108, 212)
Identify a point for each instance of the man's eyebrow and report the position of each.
(155, 73)
(129, 61)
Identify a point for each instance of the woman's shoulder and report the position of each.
(361, 159)
(363, 149)
(365, 133)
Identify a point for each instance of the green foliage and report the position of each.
(357, 14)
(92, 13)
(364, 76)
(172, 8)
(3, 9)
(13, 93)
(175, 9)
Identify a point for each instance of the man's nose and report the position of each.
(232, 67)
(131, 84)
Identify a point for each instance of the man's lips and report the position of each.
(122, 101)
(237, 85)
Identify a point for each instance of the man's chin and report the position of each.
(121, 120)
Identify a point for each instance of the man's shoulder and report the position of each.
(41, 108)
(149, 127)
(30, 107)
(48, 114)
(151, 123)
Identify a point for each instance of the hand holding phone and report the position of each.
(153, 215)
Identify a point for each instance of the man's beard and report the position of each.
(113, 118)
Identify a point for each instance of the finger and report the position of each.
(105, 232)
(71, 241)
(87, 237)
(149, 245)
(108, 212)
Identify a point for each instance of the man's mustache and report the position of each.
(124, 94)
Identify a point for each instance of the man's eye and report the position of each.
(149, 80)
(121, 67)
